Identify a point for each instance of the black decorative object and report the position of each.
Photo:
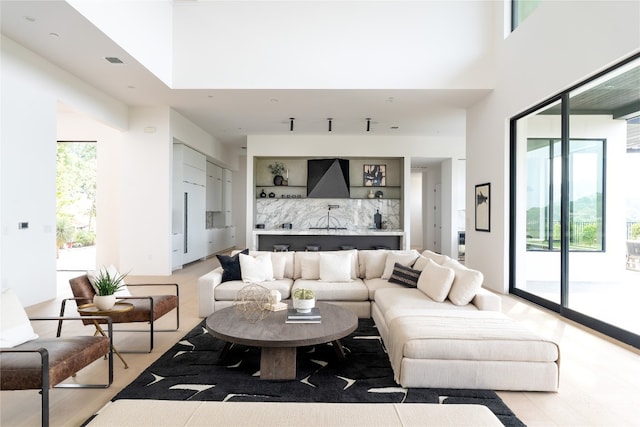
(328, 178)
(375, 175)
(277, 180)
(483, 207)
(379, 194)
(272, 195)
(263, 194)
(377, 219)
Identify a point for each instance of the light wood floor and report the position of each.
(599, 379)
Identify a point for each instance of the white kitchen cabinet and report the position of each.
(227, 193)
(194, 234)
(188, 206)
(176, 250)
(214, 187)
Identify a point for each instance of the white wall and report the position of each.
(549, 52)
(415, 207)
(31, 89)
(285, 44)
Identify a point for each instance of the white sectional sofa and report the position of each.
(440, 327)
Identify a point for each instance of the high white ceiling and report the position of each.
(57, 32)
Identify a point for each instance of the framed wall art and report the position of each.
(375, 175)
(483, 207)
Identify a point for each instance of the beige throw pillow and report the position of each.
(435, 281)
(406, 259)
(335, 267)
(466, 284)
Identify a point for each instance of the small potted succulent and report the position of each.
(106, 285)
(304, 300)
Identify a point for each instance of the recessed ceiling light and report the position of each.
(395, 127)
(274, 100)
(131, 87)
(113, 60)
(54, 34)
(30, 18)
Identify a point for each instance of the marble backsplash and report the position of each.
(303, 214)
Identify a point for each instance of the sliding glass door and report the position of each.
(573, 204)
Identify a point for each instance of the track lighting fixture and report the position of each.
(368, 124)
(291, 119)
(330, 120)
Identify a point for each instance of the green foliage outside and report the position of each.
(76, 193)
(635, 231)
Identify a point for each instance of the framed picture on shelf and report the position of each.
(483, 207)
(375, 175)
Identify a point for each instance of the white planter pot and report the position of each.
(104, 302)
(304, 305)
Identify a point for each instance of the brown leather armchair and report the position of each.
(44, 363)
(145, 308)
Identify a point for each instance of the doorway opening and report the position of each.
(76, 166)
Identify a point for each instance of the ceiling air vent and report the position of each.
(113, 60)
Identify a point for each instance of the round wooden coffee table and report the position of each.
(279, 340)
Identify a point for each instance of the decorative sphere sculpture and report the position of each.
(252, 301)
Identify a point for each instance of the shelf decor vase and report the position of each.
(277, 180)
(104, 302)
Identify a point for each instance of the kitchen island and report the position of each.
(328, 239)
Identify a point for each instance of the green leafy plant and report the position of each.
(278, 168)
(108, 284)
(302, 293)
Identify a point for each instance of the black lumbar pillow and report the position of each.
(231, 266)
(404, 276)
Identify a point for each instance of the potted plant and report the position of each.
(106, 285)
(277, 169)
(304, 300)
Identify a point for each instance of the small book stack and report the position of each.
(293, 316)
(277, 306)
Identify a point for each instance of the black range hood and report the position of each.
(328, 178)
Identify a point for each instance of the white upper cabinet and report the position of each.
(227, 192)
(214, 187)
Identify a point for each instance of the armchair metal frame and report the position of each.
(126, 298)
(45, 368)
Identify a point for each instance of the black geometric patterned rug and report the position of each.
(192, 370)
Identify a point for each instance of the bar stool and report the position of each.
(347, 247)
(312, 248)
(280, 248)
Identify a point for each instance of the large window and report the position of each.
(574, 202)
(586, 167)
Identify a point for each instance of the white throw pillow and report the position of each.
(435, 281)
(436, 257)
(406, 259)
(256, 269)
(310, 267)
(466, 284)
(335, 267)
(374, 263)
(113, 272)
(15, 327)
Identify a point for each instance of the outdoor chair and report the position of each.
(633, 255)
(145, 308)
(28, 362)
